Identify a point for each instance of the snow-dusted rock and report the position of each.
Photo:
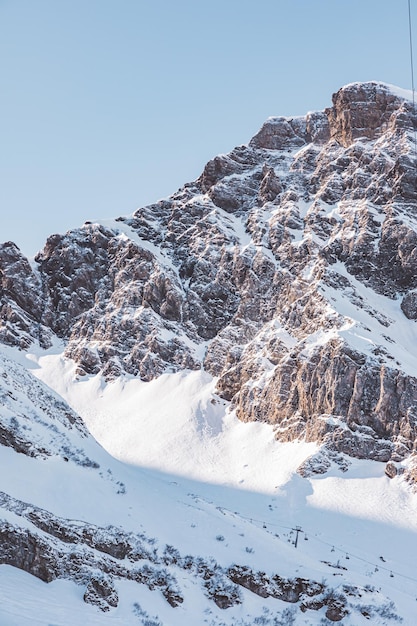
(288, 270)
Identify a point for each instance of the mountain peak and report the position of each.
(360, 110)
(367, 110)
(295, 244)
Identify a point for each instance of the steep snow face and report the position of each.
(178, 424)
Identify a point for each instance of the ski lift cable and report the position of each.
(312, 535)
(410, 36)
(360, 558)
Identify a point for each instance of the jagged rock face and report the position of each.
(21, 302)
(113, 294)
(287, 270)
(361, 111)
(72, 269)
(337, 396)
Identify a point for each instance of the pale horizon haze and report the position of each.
(110, 105)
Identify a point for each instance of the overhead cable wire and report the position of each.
(266, 524)
(374, 564)
(410, 36)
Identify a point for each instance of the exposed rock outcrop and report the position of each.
(101, 593)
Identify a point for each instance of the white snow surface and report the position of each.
(200, 480)
(175, 424)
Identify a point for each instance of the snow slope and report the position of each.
(242, 506)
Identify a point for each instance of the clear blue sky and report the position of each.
(107, 105)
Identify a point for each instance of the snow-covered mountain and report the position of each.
(245, 349)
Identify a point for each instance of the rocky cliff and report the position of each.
(288, 270)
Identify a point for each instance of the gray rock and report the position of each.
(101, 592)
(409, 305)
